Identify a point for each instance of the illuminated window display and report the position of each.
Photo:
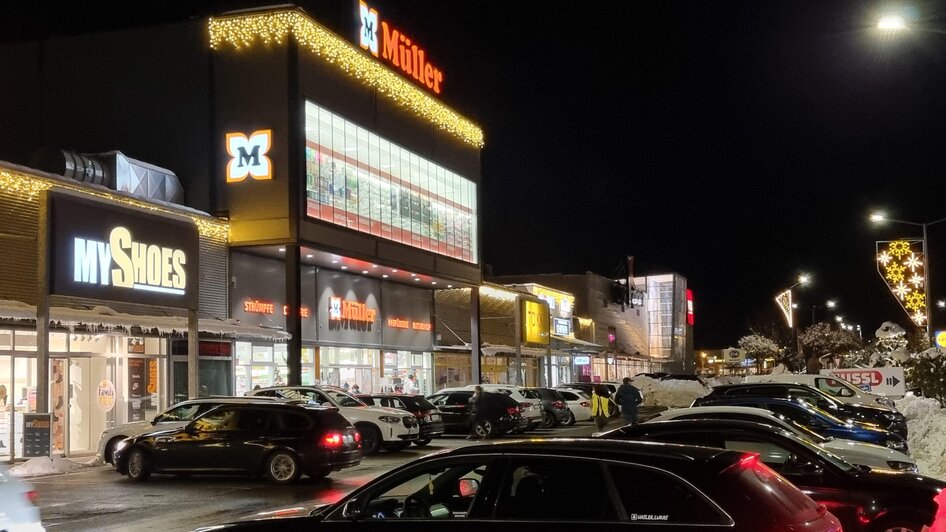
(358, 180)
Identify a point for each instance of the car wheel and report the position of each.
(895, 524)
(570, 420)
(423, 442)
(548, 420)
(139, 465)
(370, 438)
(282, 467)
(109, 453)
(483, 429)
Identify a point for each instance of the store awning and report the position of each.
(102, 317)
(492, 349)
(578, 345)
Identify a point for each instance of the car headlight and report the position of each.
(390, 419)
(897, 445)
(902, 466)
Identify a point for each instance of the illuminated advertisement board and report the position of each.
(359, 180)
(535, 323)
(689, 307)
(103, 251)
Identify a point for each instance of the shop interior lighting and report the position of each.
(28, 186)
(275, 27)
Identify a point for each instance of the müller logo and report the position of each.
(397, 49)
(344, 310)
(138, 265)
(248, 156)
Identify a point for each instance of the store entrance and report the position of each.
(82, 398)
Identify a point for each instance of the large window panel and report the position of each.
(359, 180)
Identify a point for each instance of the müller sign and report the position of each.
(396, 48)
(106, 252)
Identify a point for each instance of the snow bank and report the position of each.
(713, 382)
(926, 424)
(669, 393)
(44, 466)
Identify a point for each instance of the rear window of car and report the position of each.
(531, 394)
(763, 488)
(330, 419)
(418, 403)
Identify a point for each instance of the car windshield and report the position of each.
(344, 398)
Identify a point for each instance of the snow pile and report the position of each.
(723, 380)
(669, 393)
(926, 424)
(44, 466)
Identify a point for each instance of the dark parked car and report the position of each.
(501, 413)
(887, 419)
(818, 420)
(554, 409)
(864, 500)
(280, 441)
(568, 485)
(428, 416)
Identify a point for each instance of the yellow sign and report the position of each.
(535, 323)
(940, 338)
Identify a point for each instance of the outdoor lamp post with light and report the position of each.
(879, 218)
(784, 302)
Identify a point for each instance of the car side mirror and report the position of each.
(468, 487)
(352, 510)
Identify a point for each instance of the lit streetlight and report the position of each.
(892, 23)
(879, 218)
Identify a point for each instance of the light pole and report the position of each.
(829, 304)
(784, 302)
(879, 218)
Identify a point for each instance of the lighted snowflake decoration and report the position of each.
(916, 280)
(901, 290)
(919, 318)
(916, 301)
(899, 248)
(895, 272)
(913, 262)
(884, 258)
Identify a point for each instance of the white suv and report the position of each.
(379, 427)
(531, 408)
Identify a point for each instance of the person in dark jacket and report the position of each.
(628, 397)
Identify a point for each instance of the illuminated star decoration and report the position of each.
(784, 302)
(902, 268)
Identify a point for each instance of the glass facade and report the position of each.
(358, 180)
(666, 317)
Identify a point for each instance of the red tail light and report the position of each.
(513, 410)
(333, 440)
(33, 496)
(749, 461)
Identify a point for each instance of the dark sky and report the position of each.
(735, 143)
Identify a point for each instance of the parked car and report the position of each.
(840, 388)
(862, 498)
(855, 452)
(820, 421)
(18, 509)
(554, 408)
(568, 485)
(503, 416)
(428, 416)
(587, 387)
(280, 441)
(531, 408)
(390, 428)
(887, 419)
(579, 405)
(177, 416)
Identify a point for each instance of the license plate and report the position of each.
(435, 417)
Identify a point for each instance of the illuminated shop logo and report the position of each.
(344, 310)
(124, 263)
(397, 49)
(248, 156)
(397, 323)
(256, 306)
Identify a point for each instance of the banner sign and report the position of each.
(883, 381)
(36, 435)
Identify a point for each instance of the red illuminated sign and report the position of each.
(345, 310)
(689, 307)
(398, 323)
(256, 306)
(397, 49)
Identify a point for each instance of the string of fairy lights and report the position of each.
(902, 268)
(276, 27)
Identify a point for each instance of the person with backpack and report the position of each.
(628, 397)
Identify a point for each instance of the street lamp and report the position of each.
(892, 23)
(879, 218)
(829, 304)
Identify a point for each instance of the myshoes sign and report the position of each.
(104, 251)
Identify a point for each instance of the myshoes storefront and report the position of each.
(96, 288)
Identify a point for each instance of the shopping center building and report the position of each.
(349, 191)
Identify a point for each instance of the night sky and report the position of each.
(735, 143)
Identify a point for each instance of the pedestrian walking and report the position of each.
(628, 397)
(410, 385)
(476, 409)
(600, 406)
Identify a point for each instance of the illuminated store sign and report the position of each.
(562, 326)
(397, 49)
(535, 323)
(344, 310)
(408, 324)
(689, 307)
(255, 306)
(103, 251)
(248, 156)
(581, 360)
